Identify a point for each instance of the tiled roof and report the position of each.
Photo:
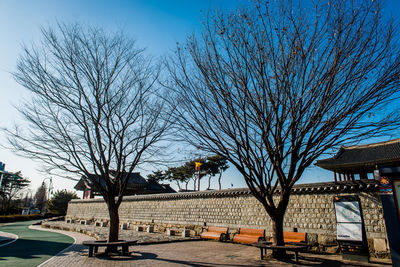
(135, 180)
(363, 156)
(136, 185)
(299, 189)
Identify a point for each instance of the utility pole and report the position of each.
(2, 166)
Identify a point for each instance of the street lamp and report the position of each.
(49, 189)
(50, 186)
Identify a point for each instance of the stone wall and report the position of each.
(310, 210)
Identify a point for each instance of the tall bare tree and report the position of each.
(41, 198)
(94, 108)
(273, 86)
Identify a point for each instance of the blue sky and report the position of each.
(155, 24)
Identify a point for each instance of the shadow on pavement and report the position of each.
(303, 261)
(29, 249)
(138, 256)
(321, 261)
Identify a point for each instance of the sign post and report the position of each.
(350, 229)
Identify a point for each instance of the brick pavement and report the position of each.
(190, 253)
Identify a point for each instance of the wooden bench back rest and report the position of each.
(215, 229)
(301, 237)
(249, 231)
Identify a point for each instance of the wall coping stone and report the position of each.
(301, 189)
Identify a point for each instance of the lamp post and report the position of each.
(197, 168)
(2, 166)
(50, 186)
(49, 189)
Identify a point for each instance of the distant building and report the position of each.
(137, 185)
(362, 159)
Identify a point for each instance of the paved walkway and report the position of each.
(189, 253)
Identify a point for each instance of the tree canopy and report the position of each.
(94, 108)
(12, 183)
(58, 203)
(183, 174)
(274, 86)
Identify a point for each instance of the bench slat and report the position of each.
(215, 233)
(249, 235)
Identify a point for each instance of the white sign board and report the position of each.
(349, 231)
(347, 212)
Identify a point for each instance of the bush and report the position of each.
(10, 210)
(58, 204)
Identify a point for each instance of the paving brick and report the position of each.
(191, 253)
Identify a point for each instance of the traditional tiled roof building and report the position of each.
(362, 159)
(137, 185)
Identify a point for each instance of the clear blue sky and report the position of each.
(155, 24)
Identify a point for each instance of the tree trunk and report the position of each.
(219, 180)
(114, 224)
(209, 182)
(277, 227)
(179, 185)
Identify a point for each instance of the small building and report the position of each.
(137, 185)
(362, 159)
(383, 160)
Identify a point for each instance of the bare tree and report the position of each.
(41, 198)
(94, 109)
(273, 86)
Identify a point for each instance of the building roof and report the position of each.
(136, 185)
(85, 183)
(363, 157)
(298, 189)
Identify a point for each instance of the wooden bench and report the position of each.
(249, 236)
(95, 244)
(215, 233)
(294, 237)
(263, 246)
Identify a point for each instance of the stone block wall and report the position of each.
(310, 210)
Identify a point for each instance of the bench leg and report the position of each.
(296, 256)
(125, 249)
(96, 249)
(261, 256)
(90, 251)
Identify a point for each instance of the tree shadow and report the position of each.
(30, 249)
(139, 256)
(319, 260)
